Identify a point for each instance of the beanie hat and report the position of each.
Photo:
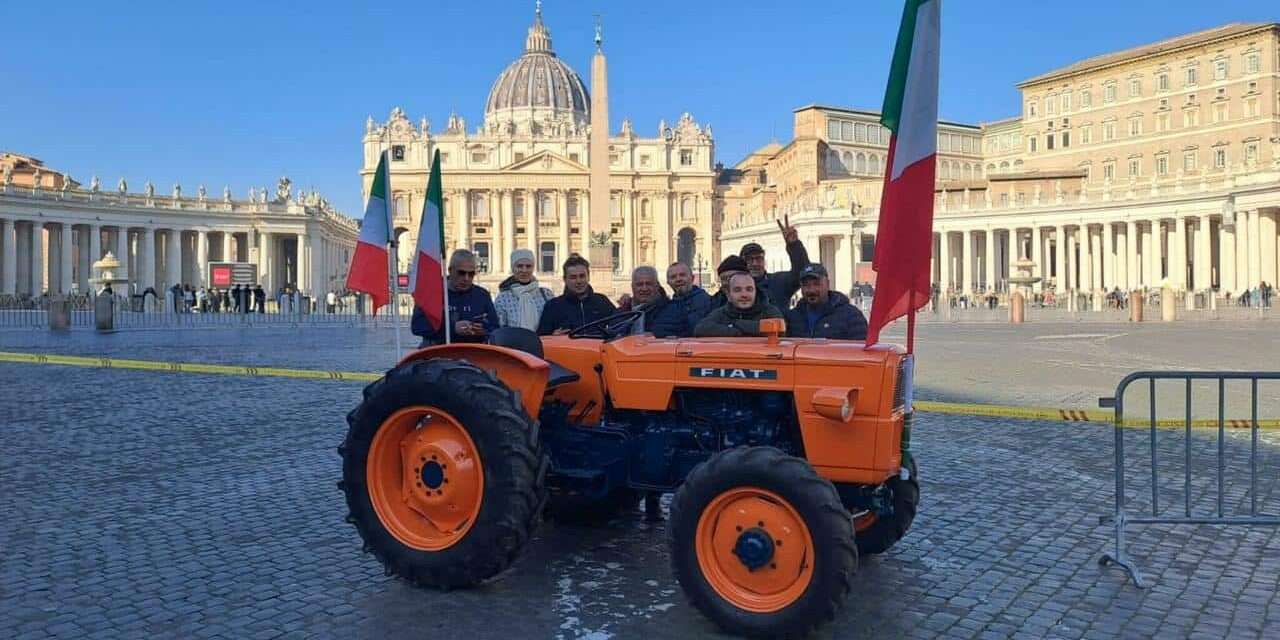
(521, 254)
(732, 263)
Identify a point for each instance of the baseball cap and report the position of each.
(751, 249)
(813, 270)
(732, 263)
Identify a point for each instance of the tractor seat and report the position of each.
(528, 342)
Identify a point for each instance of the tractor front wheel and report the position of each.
(442, 473)
(761, 543)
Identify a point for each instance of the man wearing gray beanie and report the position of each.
(520, 298)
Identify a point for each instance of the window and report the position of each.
(1252, 63)
(1108, 170)
(1086, 99)
(846, 130)
(1220, 112)
(944, 142)
(1253, 87)
(873, 164)
(1032, 140)
(519, 156)
(1135, 87)
(1190, 77)
(1108, 131)
(1135, 127)
(479, 208)
(1220, 69)
(644, 160)
(1066, 102)
(1066, 139)
(873, 134)
(860, 133)
(1162, 122)
(686, 157)
(1135, 167)
(1162, 164)
(1031, 109)
(1191, 118)
(1086, 135)
(575, 157)
(833, 129)
(1048, 142)
(614, 158)
(481, 249)
(547, 257)
(1162, 81)
(1219, 158)
(444, 158)
(479, 156)
(616, 250)
(1109, 92)
(645, 209)
(615, 208)
(1251, 153)
(1251, 107)
(1051, 104)
(400, 208)
(1189, 161)
(1004, 199)
(397, 153)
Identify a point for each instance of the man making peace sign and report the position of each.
(777, 288)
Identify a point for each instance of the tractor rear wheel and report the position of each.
(877, 533)
(442, 472)
(761, 543)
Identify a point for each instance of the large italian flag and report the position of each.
(369, 272)
(427, 275)
(904, 239)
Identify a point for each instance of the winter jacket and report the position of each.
(508, 302)
(678, 316)
(473, 304)
(838, 319)
(568, 311)
(730, 322)
(780, 286)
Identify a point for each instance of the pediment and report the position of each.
(546, 162)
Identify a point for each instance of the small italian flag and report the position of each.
(427, 275)
(369, 272)
(904, 239)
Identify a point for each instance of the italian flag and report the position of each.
(369, 272)
(427, 275)
(904, 239)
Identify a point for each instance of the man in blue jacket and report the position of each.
(686, 307)
(823, 313)
(578, 305)
(471, 311)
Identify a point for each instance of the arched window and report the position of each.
(874, 165)
(1004, 167)
(833, 160)
(686, 246)
(945, 171)
(846, 162)
(517, 207)
(862, 163)
(548, 208)
(572, 204)
(686, 209)
(991, 167)
(479, 208)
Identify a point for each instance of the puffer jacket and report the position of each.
(678, 316)
(730, 322)
(567, 311)
(838, 319)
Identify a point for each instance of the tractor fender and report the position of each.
(523, 373)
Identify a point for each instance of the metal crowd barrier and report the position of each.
(1219, 516)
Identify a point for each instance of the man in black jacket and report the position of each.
(823, 313)
(578, 305)
(777, 288)
(741, 316)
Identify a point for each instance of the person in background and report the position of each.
(578, 305)
(823, 313)
(741, 316)
(202, 300)
(520, 297)
(777, 288)
(471, 312)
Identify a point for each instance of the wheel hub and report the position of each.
(754, 548)
(432, 475)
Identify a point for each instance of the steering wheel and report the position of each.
(614, 326)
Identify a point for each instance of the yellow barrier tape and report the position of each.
(953, 408)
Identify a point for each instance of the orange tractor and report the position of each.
(788, 459)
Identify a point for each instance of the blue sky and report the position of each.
(239, 93)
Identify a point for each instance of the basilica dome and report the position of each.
(538, 86)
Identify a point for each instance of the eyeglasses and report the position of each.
(465, 274)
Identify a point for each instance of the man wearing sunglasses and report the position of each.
(471, 309)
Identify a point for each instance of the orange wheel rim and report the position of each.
(754, 550)
(425, 478)
(864, 520)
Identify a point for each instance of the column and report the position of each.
(508, 240)
(1037, 256)
(122, 254)
(64, 259)
(944, 261)
(147, 259)
(38, 271)
(9, 255)
(464, 218)
(173, 258)
(1255, 250)
(531, 204)
(989, 257)
(1131, 270)
(95, 246)
(1013, 252)
(1161, 246)
(267, 271)
(1226, 256)
(1204, 255)
(966, 269)
(629, 231)
(202, 257)
(1267, 249)
(1087, 278)
(1149, 276)
(1070, 280)
(304, 262)
(1178, 254)
(562, 217)
(1059, 257)
(1242, 251)
(584, 224)
(226, 247)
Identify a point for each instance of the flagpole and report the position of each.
(392, 259)
(911, 326)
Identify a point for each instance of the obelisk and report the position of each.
(600, 251)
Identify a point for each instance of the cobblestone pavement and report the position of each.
(158, 505)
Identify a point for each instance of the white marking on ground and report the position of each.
(1080, 336)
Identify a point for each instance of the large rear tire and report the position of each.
(761, 543)
(877, 534)
(443, 473)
